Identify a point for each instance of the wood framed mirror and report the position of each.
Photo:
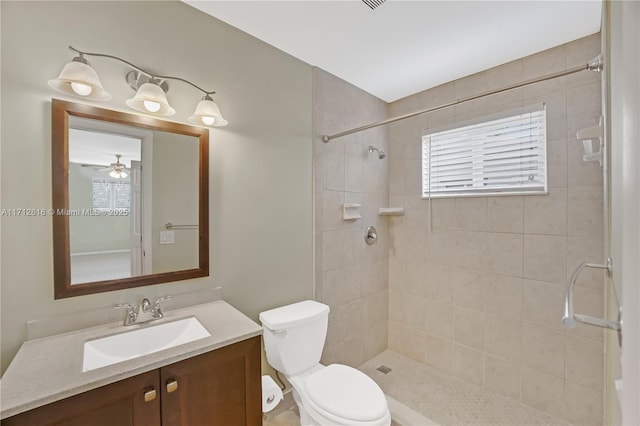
(130, 200)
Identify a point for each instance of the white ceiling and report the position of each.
(404, 47)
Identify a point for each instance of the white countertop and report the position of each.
(50, 369)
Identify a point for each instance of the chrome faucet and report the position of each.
(145, 312)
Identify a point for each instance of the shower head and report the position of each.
(381, 153)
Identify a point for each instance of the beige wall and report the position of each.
(480, 293)
(351, 277)
(175, 200)
(93, 233)
(260, 165)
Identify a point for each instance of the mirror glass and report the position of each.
(132, 201)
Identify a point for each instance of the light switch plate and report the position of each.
(167, 237)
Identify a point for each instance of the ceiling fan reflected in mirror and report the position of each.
(116, 170)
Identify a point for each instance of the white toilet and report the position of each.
(294, 336)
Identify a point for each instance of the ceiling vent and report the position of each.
(373, 3)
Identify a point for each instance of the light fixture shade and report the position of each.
(79, 74)
(208, 114)
(152, 95)
(118, 174)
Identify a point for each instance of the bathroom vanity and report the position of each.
(214, 380)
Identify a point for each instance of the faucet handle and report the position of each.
(161, 299)
(132, 312)
(156, 311)
(128, 306)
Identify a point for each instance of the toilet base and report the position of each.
(305, 419)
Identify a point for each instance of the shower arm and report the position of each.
(570, 317)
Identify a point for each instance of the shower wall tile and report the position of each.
(502, 75)
(546, 214)
(579, 53)
(395, 341)
(444, 213)
(585, 104)
(502, 338)
(580, 172)
(439, 354)
(505, 214)
(375, 340)
(557, 163)
(471, 213)
(585, 211)
(502, 377)
(543, 304)
(469, 288)
(544, 62)
(416, 212)
(489, 272)
(503, 297)
(543, 350)
(414, 312)
(351, 277)
(396, 177)
(545, 258)
(333, 168)
(543, 391)
(439, 286)
(468, 364)
(416, 279)
(415, 343)
(584, 361)
(583, 405)
(469, 328)
(440, 320)
(504, 254)
(354, 174)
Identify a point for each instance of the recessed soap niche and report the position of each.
(351, 211)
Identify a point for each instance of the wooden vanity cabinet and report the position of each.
(121, 403)
(221, 387)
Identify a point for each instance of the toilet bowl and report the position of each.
(337, 394)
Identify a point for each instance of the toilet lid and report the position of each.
(346, 393)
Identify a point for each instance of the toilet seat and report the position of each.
(345, 394)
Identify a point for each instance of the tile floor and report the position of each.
(447, 400)
(417, 391)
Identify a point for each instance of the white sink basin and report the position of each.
(143, 341)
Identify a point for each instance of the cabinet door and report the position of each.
(121, 403)
(222, 387)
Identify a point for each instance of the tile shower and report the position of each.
(472, 287)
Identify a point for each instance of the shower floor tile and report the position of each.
(447, 400)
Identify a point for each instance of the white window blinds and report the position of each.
(111, 194)
(504, 155)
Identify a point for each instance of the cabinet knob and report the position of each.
(149, 395)
(172, 385)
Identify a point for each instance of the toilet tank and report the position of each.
(294, 335)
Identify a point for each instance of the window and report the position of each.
(506, 155)
(111, 194)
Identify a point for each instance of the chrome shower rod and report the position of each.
(595, 64)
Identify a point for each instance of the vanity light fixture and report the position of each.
(79, 79)
(207, 113)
